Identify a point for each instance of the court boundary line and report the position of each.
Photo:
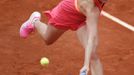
(117, 20)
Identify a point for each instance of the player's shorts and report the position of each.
(65, 16)
(99, 4)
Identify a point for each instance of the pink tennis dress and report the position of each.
(65, 15)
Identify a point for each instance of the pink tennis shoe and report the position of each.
(28, 26)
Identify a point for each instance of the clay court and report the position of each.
(21, 56)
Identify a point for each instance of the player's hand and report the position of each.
(84, 70)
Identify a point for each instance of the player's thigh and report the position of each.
(52, 34)
(82, 35)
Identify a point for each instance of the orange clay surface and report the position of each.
(21, 57)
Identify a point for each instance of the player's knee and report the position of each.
(94, 57)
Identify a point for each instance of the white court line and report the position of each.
(117, 20)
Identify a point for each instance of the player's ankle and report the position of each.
(35, 22)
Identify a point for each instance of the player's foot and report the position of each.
(28, 26)
(83, 73)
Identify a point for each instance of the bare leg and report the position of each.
(49, 33)
(82, 36)
(96, 66)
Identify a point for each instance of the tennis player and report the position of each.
(77, 15)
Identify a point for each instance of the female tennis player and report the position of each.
(78, 15)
